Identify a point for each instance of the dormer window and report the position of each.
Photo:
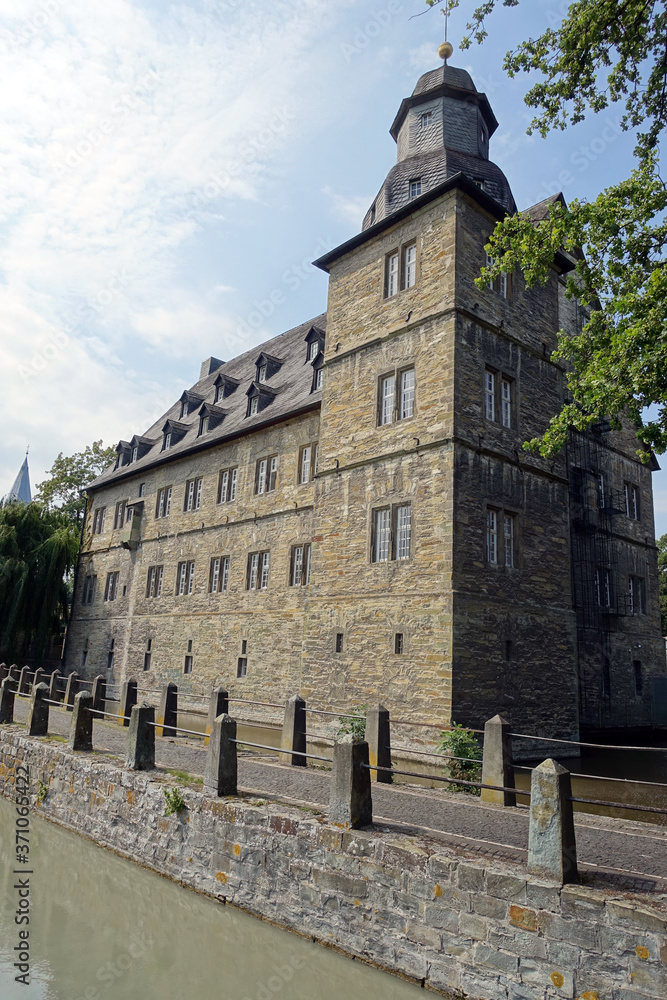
(172, 433)
(225, 386)
(254, 405)
(190, 401)
(203, 426)
(267, 367)
(318, 378)
(312, 350)
(259, 397)
(135, 453)
(261, 374)
(315, 343)
(415, 187)
(167, 441)
(210, 417)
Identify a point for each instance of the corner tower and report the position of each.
(442, 130)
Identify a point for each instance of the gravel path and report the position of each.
(618, 846)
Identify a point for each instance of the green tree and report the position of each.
(662, 580)
(604, 52)
(68, 476)
(38, 551)
(464, 756)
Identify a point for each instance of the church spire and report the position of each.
(20, 491)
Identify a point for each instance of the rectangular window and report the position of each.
(187, 665)
(501, 284)
(387, 404)
(261, 375)
(119, 516)
(163, 504)
(631, 501)
(265, 474)
(509, 540)
(154, 581)
(254, 405)
(98, 520)
(410, 266)
(398, 643)
(308, 462)
(313, 350)
(425, 119)
(89, 587)
(407, 407)
(219, 576)
(111, 656)
(382, 540)
(111, 588)
(193, 489)
(490, 395)
(637, 595)
(227, 483)
(603, 587)
(415, 187)
(319, 378)
(506, 402)
(391, 278)
(264, 579)
(492, 537)
(257, 575)
(403, 531)
(166, 445)
(339, 642)
(84, 657)
(300, 566)
(148, 656)
(185, 578)
(242, 667)
(600, 490)
(142, 489)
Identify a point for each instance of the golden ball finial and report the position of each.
(445, 50)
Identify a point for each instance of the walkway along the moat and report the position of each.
(634, 854)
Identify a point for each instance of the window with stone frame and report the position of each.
(99, 517)
(89, 588)
(163, 502)
(300, 565)
(632, 503)
(501, 547)
(266, 471)
(119, 514)
(396, 396)
(501, 285)
(499, 397)
(391, 533)
(227, 485)
(219, 575)
(401, 269)
(257, 573)
(111, 587)
(308, 462)
(154, 581)
(193, 491)
(603, 587)
(637, 595)
(185, 578)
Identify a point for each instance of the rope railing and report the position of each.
(176, 729)
(449, 781)
(108, 715)
(617, 805)
(295, 753)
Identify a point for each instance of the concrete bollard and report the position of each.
(221, 774)
(378, 738)
(71, 691)
(497, 762)
(128, 699)
(7, 695)
(350, 804)
(293, 737)
(55, 694)
(24, 681)
(99, 693)
(4, 670)
(140, 754)
(167, 717)
(218, 705)
(14, 672)
(552, 850)
(38, 677)
(81, 729)
(38, 716)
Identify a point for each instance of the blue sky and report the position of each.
(168, 172)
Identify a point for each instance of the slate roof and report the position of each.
(20, 491)
(292, 386)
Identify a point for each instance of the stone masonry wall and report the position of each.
(461, 927)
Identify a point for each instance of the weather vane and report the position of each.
(446, 49)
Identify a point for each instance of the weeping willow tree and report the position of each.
(38, 552)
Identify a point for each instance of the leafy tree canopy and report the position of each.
(662, 579)
(68, 476)
(604, 52)
(38, 550)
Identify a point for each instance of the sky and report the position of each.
(168, 172)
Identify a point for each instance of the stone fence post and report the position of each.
(4, 670)
(350, 804)
(167, 717)
(99, 693)
(497, 766)
(140, 754)
(71, 691)
(221, 774)
(81, 729)
(24, 681)
(218, 705)
(38, 677)
(128, 699)
(552, 850)
(55, 694)
(38, 716)
(7, 695)
(293, 736)
(378, 737)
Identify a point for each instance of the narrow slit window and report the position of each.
(388, 393)
(410, 266)
(492, 537)
(407, 394)
(509, 540)
(398, 643)
(382, 535)
(506, 402)
(392, 274)
(490, 395)
(403, 531)
(339, 642)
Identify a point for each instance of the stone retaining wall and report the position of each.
(459, 926)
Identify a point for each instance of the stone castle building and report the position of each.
(347, 511)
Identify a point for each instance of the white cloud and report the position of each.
(349, 208)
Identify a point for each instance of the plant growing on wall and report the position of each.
(354, 725)
(461, 743)
(175, 803)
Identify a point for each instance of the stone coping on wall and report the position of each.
(455, 923)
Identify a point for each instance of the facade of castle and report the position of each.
(348, 512)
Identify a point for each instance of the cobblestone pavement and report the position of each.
(618, 846)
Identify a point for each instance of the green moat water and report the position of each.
(102, 927)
